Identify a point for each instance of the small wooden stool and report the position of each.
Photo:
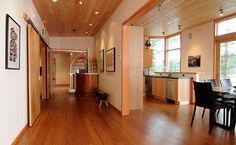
(102, 96)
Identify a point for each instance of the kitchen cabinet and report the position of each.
(147, 58)
(177, 89)
(159, 88)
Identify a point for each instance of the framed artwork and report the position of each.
(101, 60)
(194, 61)
(12, 44)
(110, 59)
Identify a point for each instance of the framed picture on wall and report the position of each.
(194, 61)
(110, 60)
(12, 43)
(101, 60)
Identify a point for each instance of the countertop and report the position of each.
(155, 76)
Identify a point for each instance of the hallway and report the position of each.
(70, 120)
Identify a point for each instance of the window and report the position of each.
(226, 26)
(226, 49)
(158, 46)
(228, 61)
(173, 54)
(166, 56)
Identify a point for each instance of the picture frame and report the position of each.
(101, 60)
(13, 30)
(110, 60)
(194, 61)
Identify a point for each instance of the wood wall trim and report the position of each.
(124, 72)
(225, 17)
(142, 11)
(226, 37)
(17, 139)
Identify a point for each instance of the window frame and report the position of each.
(218, 40)
(216, 23)
(160, 37)
(169, 50)
(166, 50)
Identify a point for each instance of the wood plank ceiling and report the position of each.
(66, 18)
(167, 16)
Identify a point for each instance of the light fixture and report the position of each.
(221, 12)
(163, 33)
(55, 0)
(86, 32)
(81, 2)
(96, 12)
(179, 27)
(90, 24)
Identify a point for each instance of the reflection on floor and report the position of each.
(70, 120)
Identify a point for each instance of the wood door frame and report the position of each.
(218, 41)
(124, 53)
(44, 67)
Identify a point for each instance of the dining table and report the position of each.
(228, 94)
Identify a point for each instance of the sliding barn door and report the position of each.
(33, 74)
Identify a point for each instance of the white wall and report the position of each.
(201, 43)
(62, 68)
(79, 43)
(13, 86)
(110, 35)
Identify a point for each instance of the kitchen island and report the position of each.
(86, 83)
(176, 87)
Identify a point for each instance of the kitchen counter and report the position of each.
(155, 76)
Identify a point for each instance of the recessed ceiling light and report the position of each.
(221, 12)
(55, 0)
(90, 24)
(81, 2)
(179, 27)
(96, 12)
(86, 32)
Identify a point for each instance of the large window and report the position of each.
(158, 47)
(173, 54)
(228, 60)
(226, 26)
(166, 54)
(226, 49)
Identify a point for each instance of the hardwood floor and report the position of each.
(70, 120)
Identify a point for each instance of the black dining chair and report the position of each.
(204, 97)
(225, 83)
(213, 84)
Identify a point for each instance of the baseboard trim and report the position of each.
(17, 139)
(115, 109)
